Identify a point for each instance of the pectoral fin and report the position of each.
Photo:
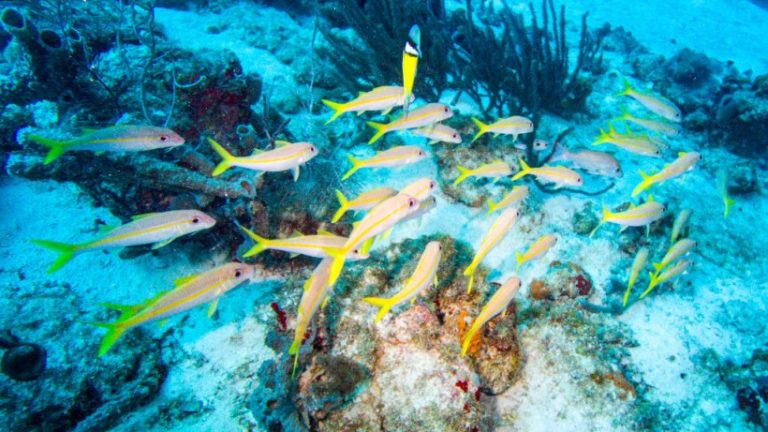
(212, 308)
(160, 244)
(295, 174)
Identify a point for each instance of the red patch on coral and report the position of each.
(317, 344)
(584, 285)
(463, 385)
(477, 394)
(474, 429)
(307, 334)
(466, 408)
(281, 318)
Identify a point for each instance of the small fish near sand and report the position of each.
(364, 201)
(642, 215)
(637, 265)
(537, 249)
(493, 236)
(655, 103)
(684, 163)
(722, 187)
(680, 224)
(419, 117)
(558, 175)
(394, 157)
(286, 156)
(516, 195)
(382, 99)
(515, 126)
(158, 229)
(316, 292)
(495, 170)
(676, 270)
(663, 127)
(189, 292)
(123, 138)
(496, 305)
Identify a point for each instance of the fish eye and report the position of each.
(411, 202)
(238, 273)
(421, 153)
(432, 184)
(454, 136)
(311, 149)
(163, 138)
(445, 109)
(439, 247)
(195, 220)
(356, 251)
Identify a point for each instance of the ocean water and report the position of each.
(220, 216)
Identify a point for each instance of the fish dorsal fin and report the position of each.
(650, 198)
(367, 246)
(142, 215)
(643, 174)
(163, 243)
(281, 143)
(89, 130)
(321, 231)
(184, 280)
(296, 233)
(105, 229)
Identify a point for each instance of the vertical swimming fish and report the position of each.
(424, 276)
(189, 292)
(657, 104)
(285, 157)
(411, 54)
(497, 304)
(539, 248)
(495, 234)
(316, 289)
(722, 187)
(680, 222)
(382, 99)
(495, 169)
(684, 162)
(364, 201)
(637, 265)
(421, 116)
(159, 229)
(515, 196)
(393, 157)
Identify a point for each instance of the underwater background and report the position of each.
(166, 165)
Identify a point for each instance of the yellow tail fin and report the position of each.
(482, 129)
(338, 109)
(627, 90)
(356, 165)
(651, 285)
(464, 173)
(606, 213)
(384, 305)
(66, 252)
(228, 158)
(468, 337)
(728, 203)
(343, 204)
(57, 148)
(524, 170)
(114, 332)
(381, 129)
(261, 245)
(520, 260)
(492, 206)
(643, 185)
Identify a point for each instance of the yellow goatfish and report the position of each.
(380, 219)
(394, 157)
(157, 229)
(382, 99)
(661, 126)
(317, 246)
(411, 54)
(722, 186)
(424, 276)
(515, 125)
(559, 175)
(657, 104)
(189, 292)
(641, 215)
(517, 194)
(637, 265)
(115, 138)
(680, 222)
(316, 291)
(498, 230)
(497, 304)
(684, 162)
(420, 189)
(657, 279)
(632, 143)
(680, 248)
(364, 201)
(422, 116)
(496, 169)
(285, 157)
(438, 132)
(539, 248)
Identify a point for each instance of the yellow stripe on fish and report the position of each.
(515, 125)
(497, 304)
(637, 265)
(661, 126)
(494, 169)
(317, 246)
(722, 187)
(680, 223)
(537, 249)
(672, 272)
(315, 293)
(438, 132)
(495, 234)
(631, 143)
(685, 162)
(422, 116)
(394, 157)
(657, 104)
(283, 158)
(364, 201)
(382, 98)
(558, 175)
(641, 215)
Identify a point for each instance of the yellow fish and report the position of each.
(641, 215)
(364, 201)
(515, 125)
(317, 246)
(539, 248)
(425, 207)
(657, 279)
(637, 265)
(158, 229)
(517, 194)
(394, 157)
(411, 54)
(424, 276)
(497, 304)
(722, 186)
(190, 291)
(420, 189)
(558, 175)
(422, 116)
(660, 126)
(382, 99)
(657, 104)
(685, 162)
(496, 169)
(285, 157)
(680, 248)
(680, 222)
(116, 138)
(498, 230)
(438, 132)
(316, 291)
(631, 143)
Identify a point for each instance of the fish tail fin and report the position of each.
(356, 165)
(524, 170)
(57, 147)
(470, 271)
(336, 266)
(343, 204)
(520, 260)
(492, 206)
(626, 294)
(643, 185)
(261, 245)
(658, 267)
(114, 332)
(482, 129)
(294, 351)
(625, 114)
(381, 129)
(227, 156)
(384, 305)
(627, 89)
(606, 214)
(468, 338)
(338, 109)
(728, 203)
(601, 139)
(651, 285)
(66, 252)
(464, 173)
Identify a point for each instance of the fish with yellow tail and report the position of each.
(537, 249)
(422, 116)
(438, 132)
(286, 156)
(424, 276)
(637, 265)
(189, 292)
(642, 215)
(364, 201)
(518, 194)
(659, 126)
(411, 54)
(116, 138)
(496, 305)
(722, 187)
(317, 246)
(655, 103)
(632, 143)
(515, 126)
(558, 175)
(157, 229)
(680, 224)
(394, 157)
(495, 170)
(378, 220)
(657, 279)
(382, 99)
(677, 250)
(316, 291)
(684, 162)
(495, 234)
